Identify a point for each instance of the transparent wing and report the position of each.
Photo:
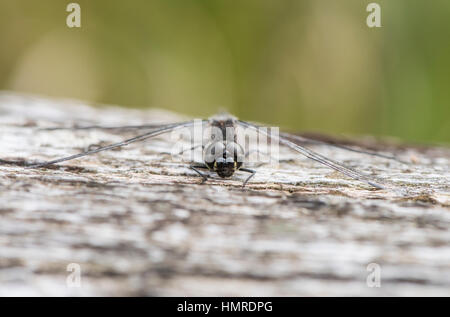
(319, 158)
(306, 140)
(153, 133)
(289, 136)
(347, 148)
(98, 127)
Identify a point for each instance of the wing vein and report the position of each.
(347, 148)
(320, 158)
(165, 129)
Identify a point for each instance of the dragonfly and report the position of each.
(224, 155)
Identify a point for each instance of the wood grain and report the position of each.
(139, 223)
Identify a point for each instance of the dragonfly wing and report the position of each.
(165, 129)
(306, 140)
(319, 158)
(98, 127)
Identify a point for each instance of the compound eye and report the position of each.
(235, 150)
(240, 158)
(220, 160)
(213, 151)
(229, 160)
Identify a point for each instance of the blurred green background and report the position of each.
(303, 65)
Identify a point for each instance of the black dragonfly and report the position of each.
(223, 155)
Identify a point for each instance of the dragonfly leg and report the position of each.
(253, 172)
(195, 168)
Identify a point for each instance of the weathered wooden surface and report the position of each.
(140, 224)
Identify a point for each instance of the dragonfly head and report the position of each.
(224, 158)
(225, 167)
